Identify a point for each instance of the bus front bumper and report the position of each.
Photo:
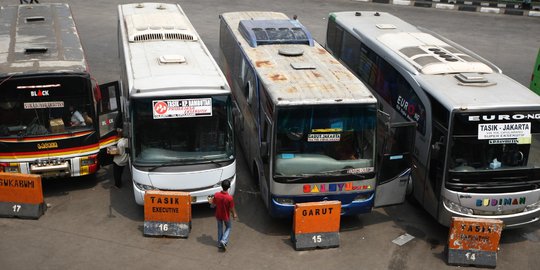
(350, 205)
(516, 220)
(197, 197)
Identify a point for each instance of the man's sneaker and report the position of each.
(223, 246)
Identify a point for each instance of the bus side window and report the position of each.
(108, 100)
(334, 37)
(350, 52)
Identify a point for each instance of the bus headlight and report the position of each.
(362, 197)
(457, 208)
(143, 187)
(287, 201)
(532, 207)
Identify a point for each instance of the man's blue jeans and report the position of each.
(223, 236)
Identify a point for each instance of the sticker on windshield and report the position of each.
(332, 137)
(326, 130)
(43, 105)
(504, 131)
(360, 170)
(182, 108)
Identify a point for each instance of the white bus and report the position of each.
(307, 125)
(177, 104)
(55, 120)
(478, 133)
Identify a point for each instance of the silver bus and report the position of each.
(478, 133)
(177, 104)
(307, 126)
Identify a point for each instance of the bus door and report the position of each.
(108, 109)
(396, 142)
(435, 168)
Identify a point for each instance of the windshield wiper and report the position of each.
(168, 164)
(218, 163)
(298, 178)
(340, 172)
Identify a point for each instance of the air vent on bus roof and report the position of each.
(35, 19)
(162, 36)
(35, 50)
(291, 51)
(431, 55)
(261, 32)
(172, 59)
(162, 26)
(473, 79)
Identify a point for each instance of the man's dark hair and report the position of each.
(226, 184)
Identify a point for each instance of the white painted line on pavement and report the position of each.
(490, 10)
(445, 6)
(401, 2)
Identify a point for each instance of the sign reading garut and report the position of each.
(316, 224)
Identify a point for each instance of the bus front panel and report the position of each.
(494, 167)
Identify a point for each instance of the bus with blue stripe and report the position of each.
(309, 129)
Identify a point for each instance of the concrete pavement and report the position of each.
(484, 6)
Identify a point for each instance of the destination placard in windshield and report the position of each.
(181, 108)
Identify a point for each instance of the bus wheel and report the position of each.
(409, 193)
(409, 190)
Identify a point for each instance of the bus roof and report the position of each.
(457, 77)
(39, 39)
(164, 53)
(295, 72)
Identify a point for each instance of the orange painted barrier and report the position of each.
(316, 224)
(21, 195)
(474, 241)
(167, 213)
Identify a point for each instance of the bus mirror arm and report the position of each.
(384, 115)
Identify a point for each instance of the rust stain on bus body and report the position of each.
(291, 90)
(264, 63)
(317, 74)
(278, 77)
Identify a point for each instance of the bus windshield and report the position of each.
(45, 105)
(182, 130)
(325, 140)
(495, 142)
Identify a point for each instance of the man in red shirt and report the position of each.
(224, 204)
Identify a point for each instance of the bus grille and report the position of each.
(495, 182)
